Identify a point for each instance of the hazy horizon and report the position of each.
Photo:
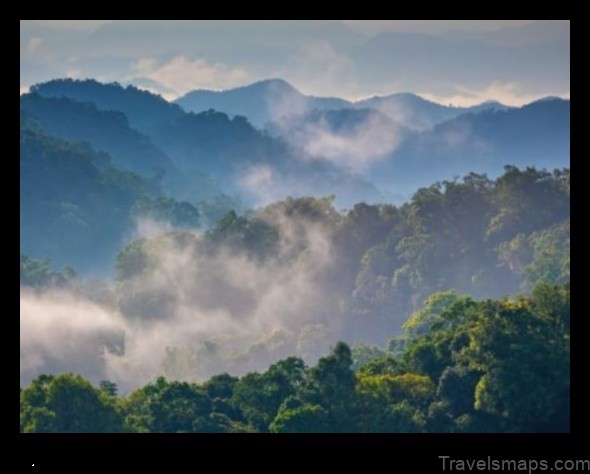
(511, 61)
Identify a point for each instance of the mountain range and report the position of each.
(322, 56)
(153, 158)
(271, 100)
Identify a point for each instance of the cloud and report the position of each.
(182, 74)
(152, 86)
(149, 228)
(60, 331)
(260, 181)
(508, 93)
(353, 139)
(371, 140)
(319, 58)
(189, 315)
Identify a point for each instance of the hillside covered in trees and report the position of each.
(459, 366)
(202, 315)
(335, 268)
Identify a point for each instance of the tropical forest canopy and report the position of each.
(209, 275)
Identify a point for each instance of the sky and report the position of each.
(462, 62)
(431, 26)
(365, 26)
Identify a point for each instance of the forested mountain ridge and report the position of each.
(341, 151)
(296, 226)
(107, 131)
(76, 208)
(476, 236)
(218, 299)
(143, 109)
(261, 102)
(238, 159)
(239, 314)
(463, 372)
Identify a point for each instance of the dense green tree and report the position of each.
(465, 366)
(259, 396)
(302, 419)
(67, 403)
(524, 383)
(169, 407)
(239, 233)
(458, 363)
(331, 385)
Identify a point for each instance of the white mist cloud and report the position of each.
(262, 182)
(365, 138)
(182, 74)
(369, 141)
(251, 312)
(63, 332)
(148, 228)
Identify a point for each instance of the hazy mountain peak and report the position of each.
(275, 82)
(260, 102)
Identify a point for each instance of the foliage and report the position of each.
(67, 403)
(487, 366)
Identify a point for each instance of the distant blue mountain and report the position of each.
(412, 111)
(357, 154)
(271, 100)
(537, 134)
(445, 141)
(260, 102)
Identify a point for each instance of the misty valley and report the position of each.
(261, 260)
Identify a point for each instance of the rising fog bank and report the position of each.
(293, 278)
(188, 313)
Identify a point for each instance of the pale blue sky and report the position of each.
(365, 26)
(459, 61)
